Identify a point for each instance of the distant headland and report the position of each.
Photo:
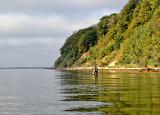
(129, 39)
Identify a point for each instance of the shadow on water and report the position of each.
(136, 94)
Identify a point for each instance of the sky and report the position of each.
(32, 31)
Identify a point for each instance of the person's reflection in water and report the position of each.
(95, 79)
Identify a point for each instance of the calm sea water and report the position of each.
(49, 92)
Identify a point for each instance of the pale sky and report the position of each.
(32, 31)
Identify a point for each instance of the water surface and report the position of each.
(49, 92)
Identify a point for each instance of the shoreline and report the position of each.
(101, 69)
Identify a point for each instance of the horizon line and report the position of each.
(23, 67)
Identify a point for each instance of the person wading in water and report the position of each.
(95, 70)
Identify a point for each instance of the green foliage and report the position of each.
(78, 43)
(105, 24)
(118, 41)
(143, 48)
(145, 12)
(125, 16)
(102, 27)
(87, 39)
(131, 38)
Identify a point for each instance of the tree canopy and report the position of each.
(130, 38)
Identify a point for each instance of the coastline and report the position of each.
(101, 69)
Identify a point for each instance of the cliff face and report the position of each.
(128, 39)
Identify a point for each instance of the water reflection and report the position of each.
(48, 92)
(136, 94)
